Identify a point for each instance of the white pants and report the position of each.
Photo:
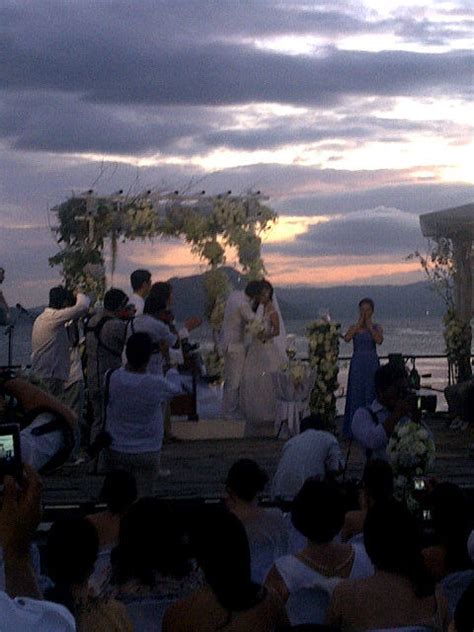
(234, 358)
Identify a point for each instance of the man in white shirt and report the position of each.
(238, 312)
(140, 280)
(372, 426)
(50, 356)
(134, 414)
(313, 453)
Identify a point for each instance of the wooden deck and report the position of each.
(199, 467)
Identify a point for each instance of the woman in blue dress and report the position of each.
(360, 386)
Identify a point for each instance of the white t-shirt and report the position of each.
(158, 331)
(138, 302)
(30, 615)
(311, 453)
(135, 412)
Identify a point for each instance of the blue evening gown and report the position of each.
(360, 385)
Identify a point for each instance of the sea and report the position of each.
(414, 337)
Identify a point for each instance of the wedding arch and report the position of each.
(210, 224)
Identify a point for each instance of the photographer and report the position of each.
(48, 426)
(373, 425)
(105, 339)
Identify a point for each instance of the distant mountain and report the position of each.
(304, 302)
(297, 303)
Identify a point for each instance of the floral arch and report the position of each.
(87, 223)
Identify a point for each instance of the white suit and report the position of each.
(237, 314)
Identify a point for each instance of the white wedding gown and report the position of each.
(257, 390)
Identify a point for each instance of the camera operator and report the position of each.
(47, 425)
(105, 339)
(372, 426)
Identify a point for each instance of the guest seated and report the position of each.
(266, 528)
(151, 559)
(318, 513)
(401, 593)
(119, 492)
(229, 600)
(21, 606)
(71, 552)
(450, 516)
(377, 487)
(315, 452)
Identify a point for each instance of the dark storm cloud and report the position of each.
(223, 74)
(374, 232)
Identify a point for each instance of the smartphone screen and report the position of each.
(10, 456)
(419, 484)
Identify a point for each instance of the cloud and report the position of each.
(380, 231)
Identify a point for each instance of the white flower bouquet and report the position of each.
(323, 347)
(411, 451)
(256, 329)
(297, 370)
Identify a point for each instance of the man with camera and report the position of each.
(50, 355)
(372, 426)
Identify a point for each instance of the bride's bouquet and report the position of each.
(256, 329)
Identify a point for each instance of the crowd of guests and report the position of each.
(118, 356)
(141, 564)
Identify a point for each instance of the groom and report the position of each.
(239, 310)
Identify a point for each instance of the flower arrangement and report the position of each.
(323, 343)
(214, 364)
(209, 225)
(411, 450)
(256, 329)
(298, 370)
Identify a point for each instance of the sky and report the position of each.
(353, 117)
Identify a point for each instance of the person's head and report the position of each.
(154, 305)
(163, 291)
(119, 491)
(366, 307)
(377, 481)
(138, 350)
(69, 298)
(58, 297)
(393, 544)
(266, 294)
(151, 541)
(318, 510)
(451, 523)
(253, 289)
(246, 480)
(115, 300)
(219, 543)
(72, 547)
(391, 384)
(140, 280)
(312, 422)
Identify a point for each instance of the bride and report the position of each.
(265, 356)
